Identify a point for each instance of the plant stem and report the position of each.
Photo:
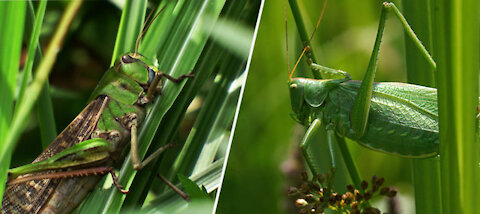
(457, 53)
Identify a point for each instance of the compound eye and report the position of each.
(151, 75)
(127, 59)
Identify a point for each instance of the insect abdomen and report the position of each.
(69, 194)
(402, 119)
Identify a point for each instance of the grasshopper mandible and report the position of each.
(404, 115)
(92, 139)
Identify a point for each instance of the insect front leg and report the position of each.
(156, 83)
(132, 123)
(178, 79)
(307, 147)
(349, 163)
(136, 162)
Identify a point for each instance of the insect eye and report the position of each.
(151, 75)
(127, 59)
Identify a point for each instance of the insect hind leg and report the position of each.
(178, 79)
(174, 188)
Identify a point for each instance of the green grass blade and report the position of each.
(182, 44)
(301, 29)
(262, 134)
(232, 35)
(11, 34)
(48, 130)
(44, 106)
(40, 77)
(32, 48)
(426, 172)
(457, 53)
(206, 119)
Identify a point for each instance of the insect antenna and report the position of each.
(145, 27)
(307, 47)
(286, 34)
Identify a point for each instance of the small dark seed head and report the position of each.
(384, 191)
(364, 185)
(371, 210)
(380, 181)
(392, 193)
(348, 201)
(359, 197)
(367, 195)
(350, 188)
(338, 197)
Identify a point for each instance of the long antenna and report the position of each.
(286, 33)
(307, 48)
(145, 27)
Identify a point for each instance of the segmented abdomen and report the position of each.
(403, 118)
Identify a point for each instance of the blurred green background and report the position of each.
(264, 159)
(87, 52)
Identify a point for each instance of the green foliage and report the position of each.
(270, 137)
(426, 172)
(11, 25)
(456, 50)
(179, 41)
(344, 41)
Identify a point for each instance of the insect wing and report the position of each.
(30, 197)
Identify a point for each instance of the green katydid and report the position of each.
(395, 118)
(92, 139)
